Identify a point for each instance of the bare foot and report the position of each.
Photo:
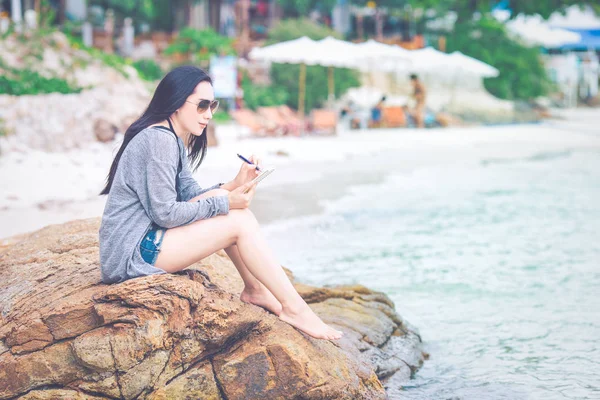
(263, 298)
(308, 322)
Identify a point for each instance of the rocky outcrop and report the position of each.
(113, 94)
(62, 122)
(63, 334)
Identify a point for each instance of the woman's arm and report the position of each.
(189, 187)
(153, 178)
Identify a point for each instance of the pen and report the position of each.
(247, 161)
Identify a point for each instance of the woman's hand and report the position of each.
(247, 171)
(241, 196)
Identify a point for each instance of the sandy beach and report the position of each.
(40, 188)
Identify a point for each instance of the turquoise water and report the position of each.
(496, 261)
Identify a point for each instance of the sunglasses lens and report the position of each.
(205, 104)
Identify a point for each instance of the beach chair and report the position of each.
(273, 115)
(257, 124)
(296, 124)
(323, 122)
(393, 117)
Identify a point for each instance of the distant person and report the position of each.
(157, 219)
(377, 112)
(419, 96)
(354, 116)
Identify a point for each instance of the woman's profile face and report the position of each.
(188, 117)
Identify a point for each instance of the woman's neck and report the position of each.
(178, 131)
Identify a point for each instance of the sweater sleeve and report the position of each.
(189, 187)
(154, 182)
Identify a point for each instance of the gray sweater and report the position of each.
(144, 191)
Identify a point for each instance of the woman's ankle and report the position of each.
(254, 287)
(294, 307)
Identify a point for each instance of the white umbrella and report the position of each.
(334, 52)
(328, 52)
(377, 56)
(465, 66)
(298, 51)
(381, 56)
(469, 65)
(368, 56)
(575, 17)
(534, 31)
(331, 52)
(430, 60)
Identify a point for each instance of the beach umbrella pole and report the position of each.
(331, 96)
(301, 89)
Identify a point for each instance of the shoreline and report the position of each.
(50, 188)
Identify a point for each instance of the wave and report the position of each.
(543, 156)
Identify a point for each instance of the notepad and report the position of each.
(262, 176)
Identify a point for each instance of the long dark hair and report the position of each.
(170, 94)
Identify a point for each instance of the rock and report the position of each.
(282, 153)
(104, 130)
(145, 50)
(64, 334)
(64, 122)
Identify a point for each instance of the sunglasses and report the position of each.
(204, 105)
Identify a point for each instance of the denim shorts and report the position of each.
(150, 245)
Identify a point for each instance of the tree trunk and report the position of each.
(379, 24)
(244, 44)
(61, 11)
(360, 31)
(214, 14)
(37, 7)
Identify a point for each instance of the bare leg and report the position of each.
(420, 116)
(185, 245)
(254, 292)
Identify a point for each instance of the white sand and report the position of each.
(39, 188)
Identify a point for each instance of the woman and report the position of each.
(158, 220)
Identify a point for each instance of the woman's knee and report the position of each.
(242, 219)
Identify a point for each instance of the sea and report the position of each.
(496, 260)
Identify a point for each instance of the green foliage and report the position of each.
(285, 77)
(200, 45)
(148, 70)
(47, 15)
(263, 96)
(111, 60)
(24, 81)
(158, 13)
(522, 74)
(143, 9)
(302, 7)
(3, 130)
(221, 117)
(290, 29)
